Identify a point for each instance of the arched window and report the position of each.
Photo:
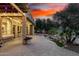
(6, 26)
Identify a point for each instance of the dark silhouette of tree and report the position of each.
(43, 24)
(39, 25)
(69, 21)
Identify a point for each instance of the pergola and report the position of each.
(16, 9)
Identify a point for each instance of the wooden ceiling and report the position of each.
(7, 8)
(23, 6)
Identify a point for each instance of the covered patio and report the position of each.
(15, 21)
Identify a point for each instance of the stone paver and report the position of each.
(40, 46)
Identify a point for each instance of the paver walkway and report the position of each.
(40, 46)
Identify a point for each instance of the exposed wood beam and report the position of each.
(11, 14)
(17, 8)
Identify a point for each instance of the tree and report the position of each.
(49, 24)
(39, 24)
(69, 21)
(43, 24)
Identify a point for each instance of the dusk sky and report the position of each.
(45, 9)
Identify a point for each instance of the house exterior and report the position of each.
(14, 22)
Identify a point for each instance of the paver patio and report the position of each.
(40, 46)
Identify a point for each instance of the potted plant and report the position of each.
(27, 40)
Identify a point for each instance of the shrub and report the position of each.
(53, 31)
(60, 43)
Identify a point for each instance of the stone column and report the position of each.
(0, 31)
(24, 27)
(0, 27)
(33, 30)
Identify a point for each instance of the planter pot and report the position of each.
(27, 40)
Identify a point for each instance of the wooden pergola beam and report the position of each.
(11, 14)
(17, 8)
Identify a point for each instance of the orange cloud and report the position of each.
(38, 12)
(46, 12)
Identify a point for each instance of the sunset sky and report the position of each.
(45, 9)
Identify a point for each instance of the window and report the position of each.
(6, 26)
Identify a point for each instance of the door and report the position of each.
(14, 30)
(31, 29)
